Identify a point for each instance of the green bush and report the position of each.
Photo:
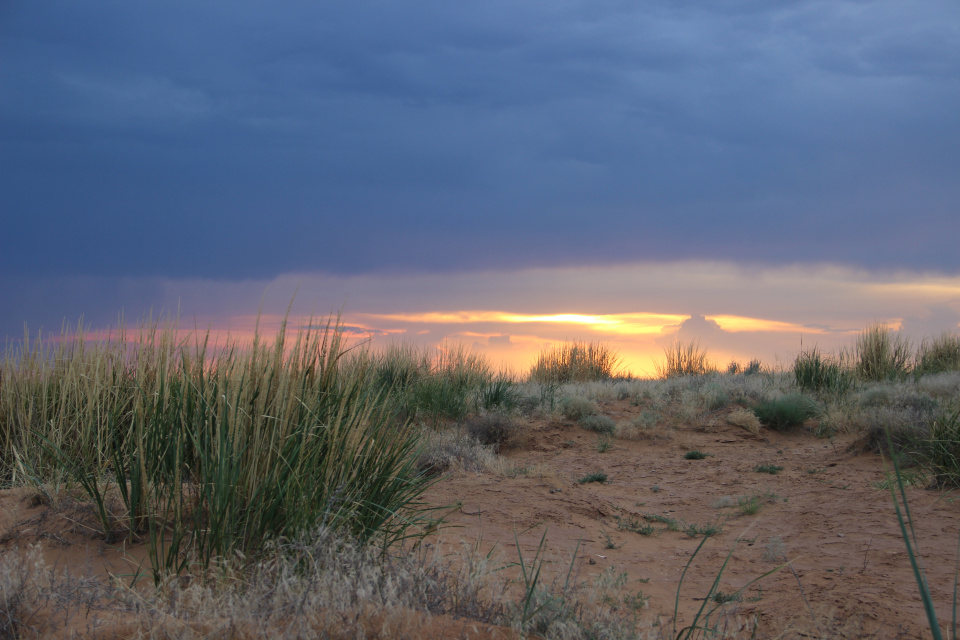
(939, 354)
(599, 424)
(772, 469)
(596, 476)
(786, 412)
(881, 354)
(815, 372)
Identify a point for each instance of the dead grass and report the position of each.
(744, 419)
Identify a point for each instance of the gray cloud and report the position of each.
(245, 140)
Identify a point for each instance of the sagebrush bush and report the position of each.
(598, 423)
(787, 411)
(714, 397)
(495, 429)
(575, 407)
(876, 397)
(454, 448)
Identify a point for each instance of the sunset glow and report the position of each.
(734, 312)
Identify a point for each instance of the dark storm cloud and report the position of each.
(248, 139)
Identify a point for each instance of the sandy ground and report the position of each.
(849, 575)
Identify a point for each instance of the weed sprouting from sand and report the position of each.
(596, 476)
(772, 469)
(633, 524)
(603, 444)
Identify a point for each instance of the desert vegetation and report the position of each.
(282, 488)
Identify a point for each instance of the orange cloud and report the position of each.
(618, 323)
(735, 324)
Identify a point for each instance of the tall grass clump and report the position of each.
(881, 354)
(684, 359)
(575, 362)
(428, 386)
(939, 354)
(206, 451)
(815, 372)
(940, 450)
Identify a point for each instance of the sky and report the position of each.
(759, 176)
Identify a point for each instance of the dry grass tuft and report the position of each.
(576, 362)
(745, 419)
(684, 359)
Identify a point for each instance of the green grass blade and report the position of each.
(918, 572)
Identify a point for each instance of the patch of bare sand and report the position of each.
(849, 574)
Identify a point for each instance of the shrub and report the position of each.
(753, 367)
(715, 398)
(454, 448)
(772, 469)
(494, 429)
(881, 354)
(876, 397)
(785, 412)
(575, 407)
(576, 362)
(599, 424)
(596, 476)
(684, 359)
(814, 372)
(696, 455)
(939, 354)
